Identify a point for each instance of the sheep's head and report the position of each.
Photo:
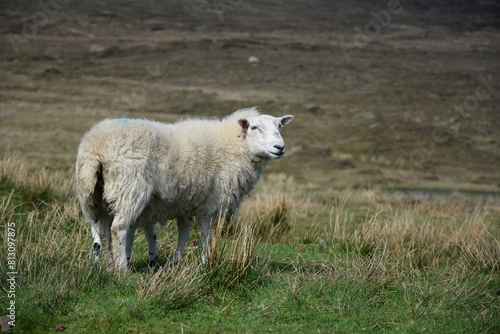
(263, 137)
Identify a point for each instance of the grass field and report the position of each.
(382, 217)
(367, 261)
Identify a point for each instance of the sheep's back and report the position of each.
(191, 168)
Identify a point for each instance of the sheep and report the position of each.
(253, 60)
(132, 174)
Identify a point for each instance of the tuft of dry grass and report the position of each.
(232, 257)
(172, 288)
(270, 216)
(280, 207)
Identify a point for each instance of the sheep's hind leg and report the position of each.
(101, 233)
(96, 246)
(151, 237)
(132, 202)
(183, 231)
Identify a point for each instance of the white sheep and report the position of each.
(132, 174)
(253, 60)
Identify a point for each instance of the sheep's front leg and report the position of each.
(183, 231)
(151, 237)
(119, 235)
(130, 243)
(206, 238)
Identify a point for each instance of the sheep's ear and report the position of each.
(285, 120)
(244, 124)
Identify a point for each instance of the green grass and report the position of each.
(413, 264)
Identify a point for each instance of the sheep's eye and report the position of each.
(253, 127)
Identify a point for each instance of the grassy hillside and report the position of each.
(408, 99)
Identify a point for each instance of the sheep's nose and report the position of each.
(281, 148)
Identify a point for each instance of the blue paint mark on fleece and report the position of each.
(123, 120)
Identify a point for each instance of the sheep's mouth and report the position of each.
(277, 154)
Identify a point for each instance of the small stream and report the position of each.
(440, 192)
(426, 191)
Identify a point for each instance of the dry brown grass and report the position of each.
(232, 256)
(427, 232)
(15, 168)
(270, 215)
(422, 231)
(172, 288)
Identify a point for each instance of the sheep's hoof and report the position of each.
(174, 262)
(153, 263)
(97, 248)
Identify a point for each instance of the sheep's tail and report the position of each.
(89, 184)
